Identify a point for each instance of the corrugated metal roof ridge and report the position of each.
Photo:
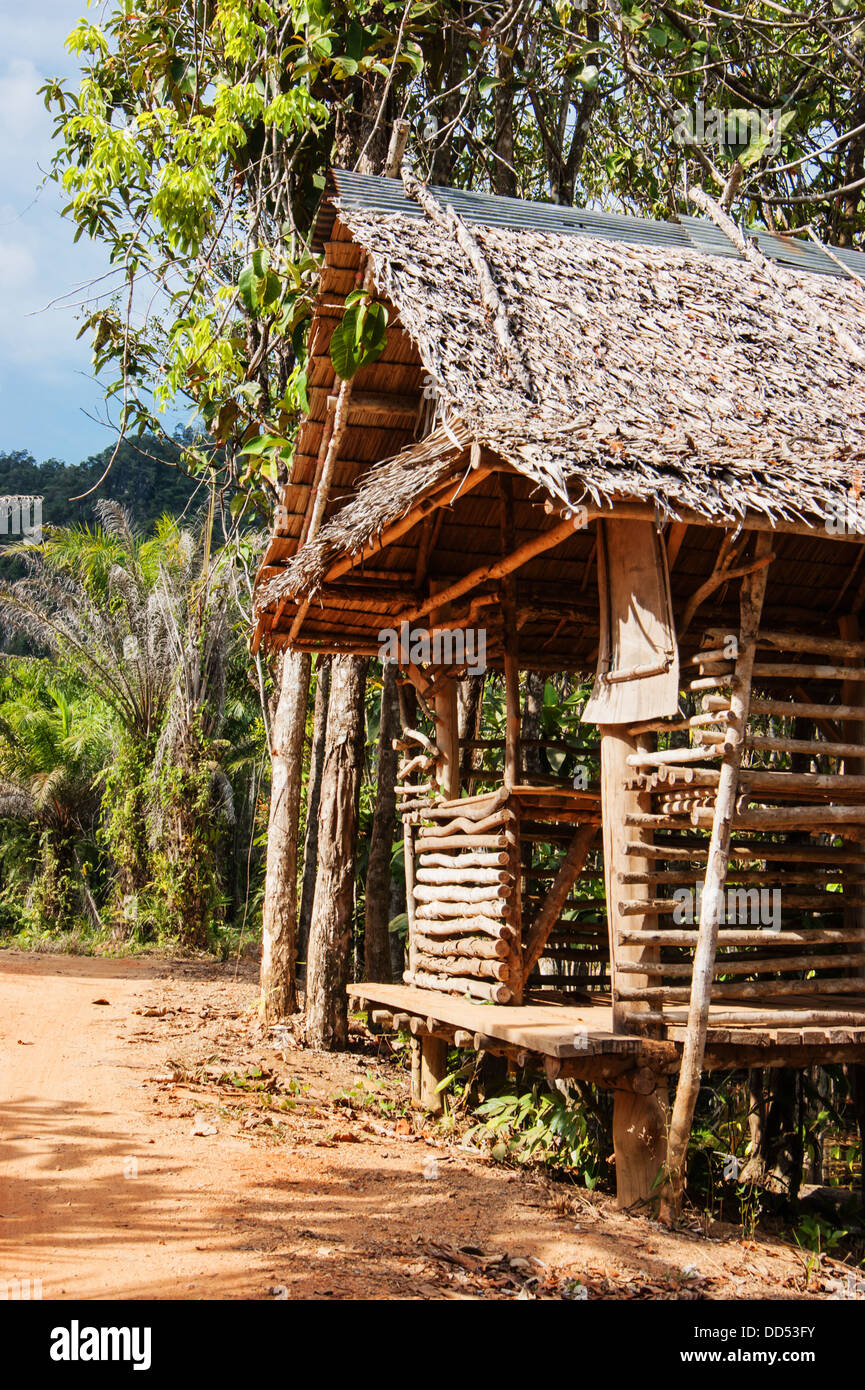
(373, 192)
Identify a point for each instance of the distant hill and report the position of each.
(143, 478)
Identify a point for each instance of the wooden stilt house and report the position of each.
(631, 451)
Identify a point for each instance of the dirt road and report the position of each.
(155, 1144)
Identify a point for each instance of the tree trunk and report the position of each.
(775, 1162)
(329, 954)
(504, 173)
(533, 705)
(376, 942)
(313, 798)
(278, 983)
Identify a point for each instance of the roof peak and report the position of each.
(373, 192)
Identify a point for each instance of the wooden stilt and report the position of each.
(639, 1138)
(431, 1072)
(751, 605)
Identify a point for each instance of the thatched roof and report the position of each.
(659, 375)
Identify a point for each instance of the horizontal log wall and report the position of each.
(465, 897)
(797, 862)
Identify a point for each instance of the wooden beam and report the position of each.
(446, 494)
(675, 536)
(484, 574)
(622, 507)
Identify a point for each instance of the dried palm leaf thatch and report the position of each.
(660, 375)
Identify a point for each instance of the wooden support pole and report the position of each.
(619, 802)
(509, 625)
(408, 861)
(447, 739)
(639, 1120)
(751, 597)
(428, 1072)
(852, 693)
(639, 1137)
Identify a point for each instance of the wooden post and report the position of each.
(639, 1138)
(853, 732)
(617, 744)
(852, 693)
(429, 1068)
(512, 728)
(751, 598)
(639, 1120)
(512, 688)
(447, 737)
(509, 624)
(408, 862)
(447, 721)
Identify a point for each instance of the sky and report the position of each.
(47, 388)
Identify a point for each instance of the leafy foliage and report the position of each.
(542, 1126)
(196, 144)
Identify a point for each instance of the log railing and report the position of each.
(464, 915)
(493, 908)
(794, 935)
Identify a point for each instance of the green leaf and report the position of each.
(358, 339)
(246, 287)
(755, 150)
(343, 350)
(264, 443)
(486, 85)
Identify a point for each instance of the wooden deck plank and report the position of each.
(584, 1029)
(546, 1028)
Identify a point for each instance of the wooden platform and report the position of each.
(577, 1039)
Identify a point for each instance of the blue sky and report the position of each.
(46, 383)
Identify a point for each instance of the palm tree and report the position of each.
(54, 744)
(146, 624)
